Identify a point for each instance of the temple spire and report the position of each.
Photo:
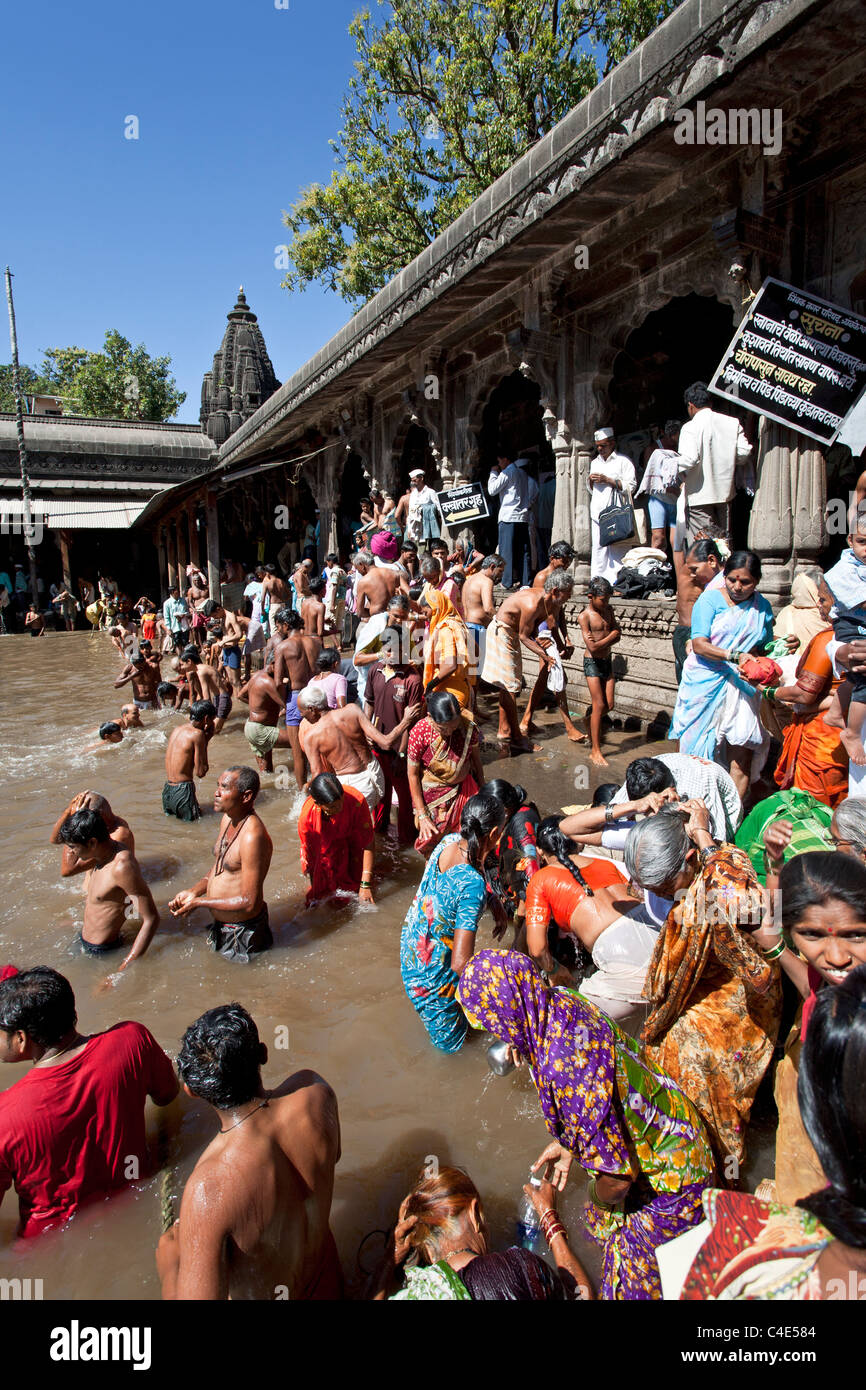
(242, 377)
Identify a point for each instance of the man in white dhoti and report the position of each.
(612, 479)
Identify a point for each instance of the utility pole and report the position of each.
(22, 452)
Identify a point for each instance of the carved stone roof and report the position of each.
(572, 179)
(242, 378)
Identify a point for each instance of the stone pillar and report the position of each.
(161, 560)
(771, 527)
(65, 561)
(582, 455)
(213, 545)
(182, 551)
(810, 501)
(171, 554)
(559, 436)
(190, 515)
(325, 486)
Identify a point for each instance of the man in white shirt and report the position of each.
(517, 493)
(612, 479)
(418, 510)
(710, 447)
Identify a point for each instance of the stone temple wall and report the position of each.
(643, 660)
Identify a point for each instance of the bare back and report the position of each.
(336, 742)
(477, 599)
(254, 1215)
(180, 753)
(374, 589)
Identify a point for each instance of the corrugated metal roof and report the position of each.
(77, 513)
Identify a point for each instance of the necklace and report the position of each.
(260, 1106)
(225, 845)
(46, 1061)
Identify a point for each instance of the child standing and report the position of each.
(601, 631)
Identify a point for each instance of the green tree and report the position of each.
(121, 382)
(445, 97)
(33, 383)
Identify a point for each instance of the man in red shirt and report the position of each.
(392, 687)
(71, 1130)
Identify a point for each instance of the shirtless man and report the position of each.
(313, 608)
(479, 607)
(130, 717)
(154, 659)
(560, 557)
(144, 681)
(185, 758)
(374, 586)
(116, 890)
(34, 621)
(261, 729)
(255, 1210)
(275, 590)
(118, 829)
(515, 625)
(338, 741)
(234, 889)
(294, 664)
(696, 568)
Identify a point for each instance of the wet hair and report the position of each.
(221, 1057)
(442, 706)
(216, 632)
(398, 601)
(209, 607)
(551, 840)
(813, 879)
(492, 562)
(332, 559)
(202, 709)
(744, 560)
(318, 585)
(481, 816)
(365, 557)
(166, 688)
(697, 395)
(656, 848)
(599, 588)
(850, 818)
(189, 654)
(512, 796)
(248, 779)
(558, 583)
(108, 728)
(82, 827)
(438, 1203)
(703, 550)
(645, 775)
(328, 659)
(604, 793)
(326, 789)
(561, 550)
(38, 1002)
(287, 617)
(312, 697)
(831, 1097)
(430, 568)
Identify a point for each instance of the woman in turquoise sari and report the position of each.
(716, 706)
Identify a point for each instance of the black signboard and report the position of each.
(797, 359)
(462, 504)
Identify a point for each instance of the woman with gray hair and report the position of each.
(715, 997)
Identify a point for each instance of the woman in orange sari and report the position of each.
(446, 654)
(812, 758)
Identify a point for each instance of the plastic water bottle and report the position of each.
(528, 1221)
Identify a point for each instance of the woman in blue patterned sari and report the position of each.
(716, 704)
(438, 935)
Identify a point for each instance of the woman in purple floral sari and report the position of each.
(639, 1139)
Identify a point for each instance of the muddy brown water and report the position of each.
(331, 986)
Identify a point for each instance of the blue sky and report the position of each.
(236, 102)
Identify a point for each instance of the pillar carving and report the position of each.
(162, 560)
(171, 554)
(810, 502)
(771, 526)
(325, 486)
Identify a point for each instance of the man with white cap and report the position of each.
(612, 480)
(418, 510)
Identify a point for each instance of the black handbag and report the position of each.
(616, 522)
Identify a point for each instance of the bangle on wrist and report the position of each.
(773, 952)
(592, 1189)
(608, 815)
(770, 693)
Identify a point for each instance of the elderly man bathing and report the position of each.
(338, 740)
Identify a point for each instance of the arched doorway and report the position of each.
(416, 452)
(513, 421)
